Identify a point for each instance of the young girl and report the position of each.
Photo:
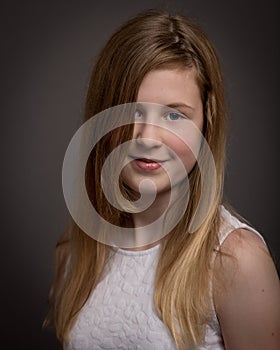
(207, 281)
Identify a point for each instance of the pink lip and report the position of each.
(147, 164)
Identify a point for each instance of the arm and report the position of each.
(248, 308)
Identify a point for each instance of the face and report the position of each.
(168, 125)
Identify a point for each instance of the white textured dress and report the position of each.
(120, 312)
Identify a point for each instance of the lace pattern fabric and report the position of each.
(120, 314)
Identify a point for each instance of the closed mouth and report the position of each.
(147, 160)
(147, 165)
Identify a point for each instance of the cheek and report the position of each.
(184, 150)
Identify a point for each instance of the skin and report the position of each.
(177, 89)
(248, 305)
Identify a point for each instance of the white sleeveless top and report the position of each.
(120, 313)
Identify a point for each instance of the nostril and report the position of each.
(148, 142)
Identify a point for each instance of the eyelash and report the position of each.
(139, 114)
(174, 113)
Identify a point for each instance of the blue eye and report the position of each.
(173, 116)
(138, 114)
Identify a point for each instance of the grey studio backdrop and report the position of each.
(47, 53)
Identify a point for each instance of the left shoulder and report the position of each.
(247, 248)
(248, 306)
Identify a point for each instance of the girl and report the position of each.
(211, 285)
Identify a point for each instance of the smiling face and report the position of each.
(169, 110)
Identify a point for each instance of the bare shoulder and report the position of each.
(248, 305)
(245, 261)
(241, 238)
(247, 249)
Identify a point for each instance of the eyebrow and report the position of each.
(175, 105)
(179, 105)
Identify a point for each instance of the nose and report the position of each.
(147, 135)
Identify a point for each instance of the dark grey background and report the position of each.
(47, 49)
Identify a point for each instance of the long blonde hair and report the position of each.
(149, 41)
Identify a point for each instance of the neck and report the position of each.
(150, 223)
(151, 214)
(142, 222)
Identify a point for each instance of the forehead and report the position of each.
(166, 86)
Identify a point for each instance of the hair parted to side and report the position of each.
(149, 41)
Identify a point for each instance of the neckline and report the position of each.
(136, 252)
